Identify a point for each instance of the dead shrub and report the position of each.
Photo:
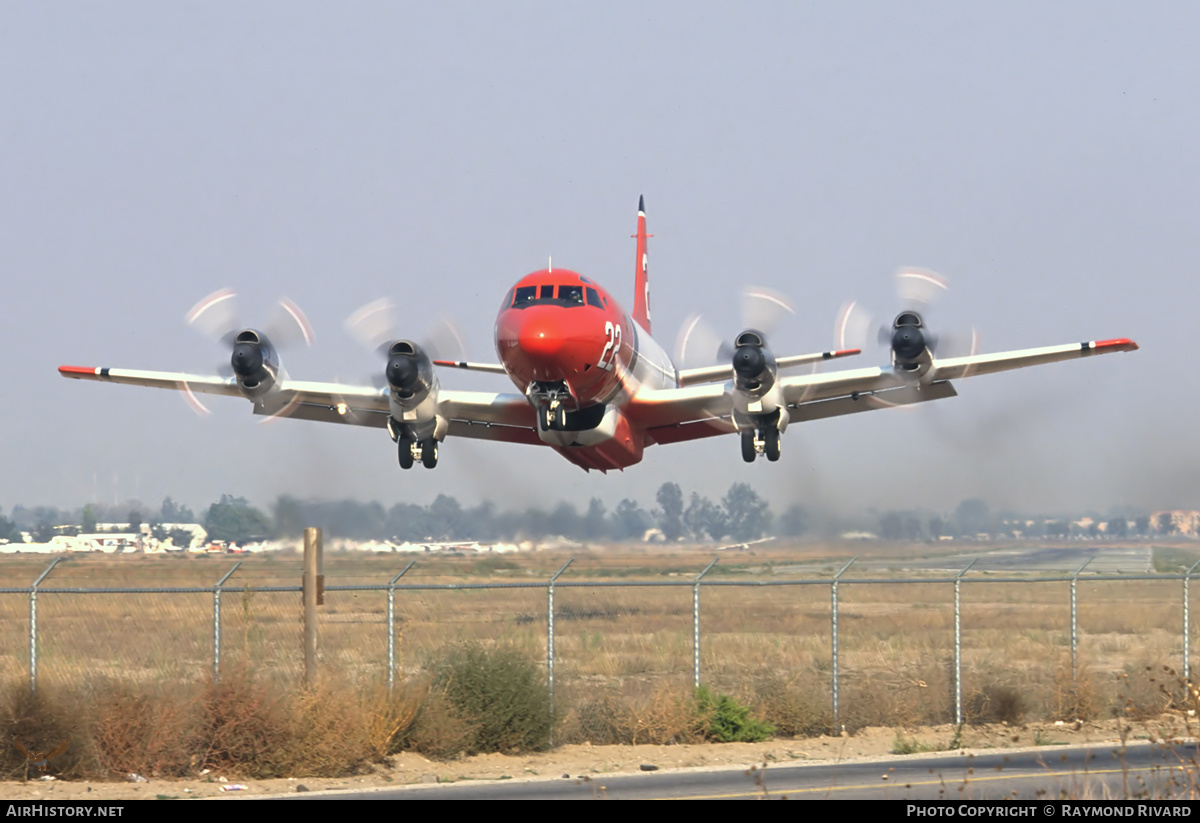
(996, 703)
(327, 727)
(243, 728)
(1075, 697)
(668, 716)
(391, 718)
(1149, 690)
(601, 721)
(439, 729)
(42, 722)
(794, 708)
(144, 732)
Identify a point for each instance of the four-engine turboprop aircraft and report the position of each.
(593, 384)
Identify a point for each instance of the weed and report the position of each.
(728, 721)
(500, 693)
(956, 742)
(909, 745)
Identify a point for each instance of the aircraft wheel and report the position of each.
(429, 453)
(544, 418)
(404, 448)
(773, 444)
(748, 453)
(560, 418)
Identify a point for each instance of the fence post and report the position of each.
(314, 595)
(696, 623)
(391, 626)
(958, 715)
(33, 625)
(1075, 633)
(550, 638)
(833, 589)
(1187, 631)
(217, 621)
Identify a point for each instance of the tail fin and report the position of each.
(641, 298)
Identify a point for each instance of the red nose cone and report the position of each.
(539, 338)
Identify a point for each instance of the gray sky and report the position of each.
(1043, 156)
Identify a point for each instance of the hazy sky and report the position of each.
(1043, 156)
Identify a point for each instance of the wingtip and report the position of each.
(1119, 343)
(71, 371)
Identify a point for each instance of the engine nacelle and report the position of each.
(255, 363)
(754, 366)
(910, 345)
(413, 393)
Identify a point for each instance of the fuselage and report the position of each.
(572, 350)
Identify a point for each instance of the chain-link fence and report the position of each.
(920, 648)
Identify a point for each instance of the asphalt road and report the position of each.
(1086, 772)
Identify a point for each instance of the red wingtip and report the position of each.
(66, 371)
(1120, 343)
(846, 352)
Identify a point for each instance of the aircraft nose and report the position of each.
(540, 338)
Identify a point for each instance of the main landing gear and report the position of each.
(764, 440)
(411, 451)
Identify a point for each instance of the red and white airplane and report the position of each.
(591, 381)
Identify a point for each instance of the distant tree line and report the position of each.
(973, 517)
(740, 515)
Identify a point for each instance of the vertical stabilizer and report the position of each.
(641, 293)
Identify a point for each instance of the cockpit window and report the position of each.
(568, 296)
(593, 298)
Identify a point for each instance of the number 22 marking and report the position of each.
(613, 334)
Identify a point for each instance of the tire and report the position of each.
(429, 453)
(544, 418)
(748, 453)
(773, 444)
(404, 447)
(560, 418)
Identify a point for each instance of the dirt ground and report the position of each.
(578, 760)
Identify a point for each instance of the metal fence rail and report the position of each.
(358, 627)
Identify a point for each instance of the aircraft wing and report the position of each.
(709, 374)
(691, 412)
(485, 415)
(490, 368)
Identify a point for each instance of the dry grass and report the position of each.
(623, 657)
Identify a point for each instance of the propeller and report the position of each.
(376, 326)
(253, 359)
(908, 334)
(762, 310)
(408, 370)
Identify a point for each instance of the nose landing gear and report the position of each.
(552, 415)
(551, 400)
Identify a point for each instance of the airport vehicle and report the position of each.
(591, 381)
